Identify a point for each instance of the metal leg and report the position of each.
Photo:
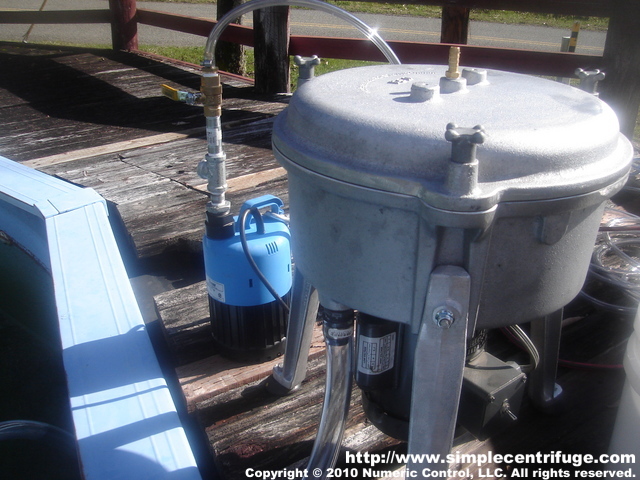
(288, 376)
(545, 335)
(438, 368)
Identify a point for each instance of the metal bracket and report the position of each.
(438, 366)
(288, 376)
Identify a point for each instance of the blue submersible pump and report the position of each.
(248, 270)
(248, 257)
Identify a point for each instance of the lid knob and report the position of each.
(462, 174)
(306, 66)
(464, 141)
(589, 79)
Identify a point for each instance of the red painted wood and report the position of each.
(523, 61)
(595, 8)
(455, 25)
(196, 26)
(124, 28)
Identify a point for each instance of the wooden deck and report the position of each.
(98, 119)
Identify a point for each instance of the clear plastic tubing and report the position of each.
(337, 395)
(370, 33)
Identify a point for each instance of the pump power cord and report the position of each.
(245, 248)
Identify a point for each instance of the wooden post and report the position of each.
(455, 25)
(621, 87)
(124, 27)
(271, 30)
(230, 56)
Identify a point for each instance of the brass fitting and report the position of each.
(454, 63)
(211, 90)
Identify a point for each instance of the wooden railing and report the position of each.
(621, 58)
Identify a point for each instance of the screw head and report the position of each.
(443, 318)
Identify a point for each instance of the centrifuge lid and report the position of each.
(544, 139)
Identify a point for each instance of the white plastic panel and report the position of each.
(126, 423)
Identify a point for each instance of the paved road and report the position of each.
(303, 22)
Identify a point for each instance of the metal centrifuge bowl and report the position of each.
(377, 201)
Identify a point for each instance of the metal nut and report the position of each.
(444, 318)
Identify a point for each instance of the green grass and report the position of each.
(195, 54)
(184, 54)
(495, 16)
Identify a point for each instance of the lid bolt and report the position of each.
(462, 175)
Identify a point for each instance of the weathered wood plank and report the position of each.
(158, 212)
(455, 25)
(247, 146)
(250, 428)
(277, 187)
(251, 180)
(110, 148)
(185, 316)
(209, 377)
(180, 228)
(55, 16)
(99, 87)
(62, 131)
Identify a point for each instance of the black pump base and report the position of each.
(249, 334)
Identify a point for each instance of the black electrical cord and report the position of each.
(245, 248)
(520, 338)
